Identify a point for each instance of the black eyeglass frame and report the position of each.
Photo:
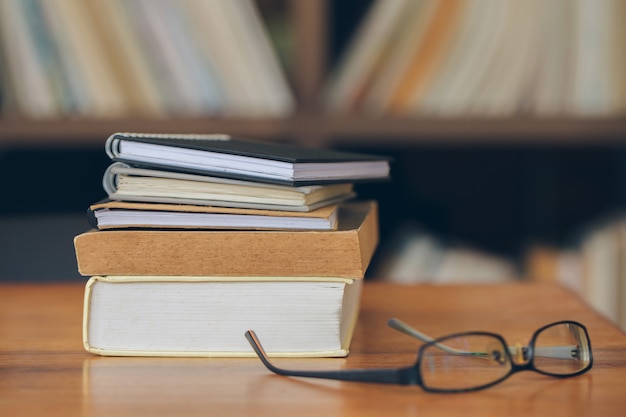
(411, 375)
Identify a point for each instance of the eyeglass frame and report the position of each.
(412, 375)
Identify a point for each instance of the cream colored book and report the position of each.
(512, 68)
(432, 46)
(69, 79)
(454, 89)
(552, 81)
(254, 41)
(618, 65)
(592, 86)
(454, 60)
(123, 182)
(234, 40)
(621, 279)
(156, 36)
(29, 76)
(108, 95)
(367, 52)
(601, 259)
(208, 316)
(400, 48)
(210, 29)
(126, 57)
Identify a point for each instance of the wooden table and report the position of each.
(45, 372)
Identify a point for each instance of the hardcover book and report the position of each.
(228, 157)
(208, 316)
(344, 252)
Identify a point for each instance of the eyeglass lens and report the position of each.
(562, 349)
(464, 362)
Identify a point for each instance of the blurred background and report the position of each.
(506, 121)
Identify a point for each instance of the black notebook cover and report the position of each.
(241, 147)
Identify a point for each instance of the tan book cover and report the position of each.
(344, 252)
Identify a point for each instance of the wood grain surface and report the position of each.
(44, 370)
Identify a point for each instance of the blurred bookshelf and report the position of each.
(321, 81)
(529, 150)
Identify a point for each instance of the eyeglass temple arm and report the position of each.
(555, 352)
(402, 376)
(410, 331)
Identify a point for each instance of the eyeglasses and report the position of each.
(469, 361)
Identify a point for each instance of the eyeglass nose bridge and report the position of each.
(520, 354)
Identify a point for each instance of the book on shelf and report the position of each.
(29, 77)
(225, 156)
(142, 58)
(187, 77)
(414, 255)
(429, 50)
(123, 182)
(92, 85)
(251, 40)
(127, 57)
(109, 214)
(410, 27)
(484, 59)
(210, 21)
(208, 316)
(592, 263)
(367, 50)
(344, 252)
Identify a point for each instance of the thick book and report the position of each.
(109, 214)
(123, 182)
(224, 156)
(208, 316)
(344, 252)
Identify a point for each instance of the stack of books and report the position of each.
(203, 237)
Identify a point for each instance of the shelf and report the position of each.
(88, 132)
(524, 131)
(333, 130)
